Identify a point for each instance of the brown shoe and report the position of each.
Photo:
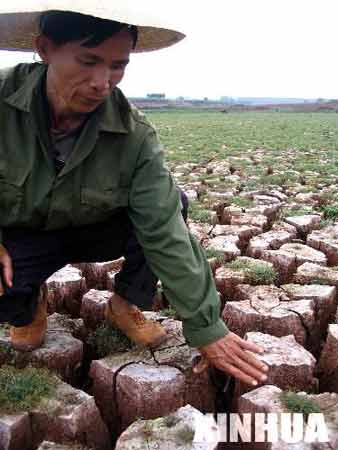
(31, 337)
(130, 320)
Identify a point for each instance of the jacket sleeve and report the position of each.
(172, 253)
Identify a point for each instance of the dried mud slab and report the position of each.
(310, 273)
(290, 256)
(60, 352)
(243, 232)
(271, 240)
(71, 415)
(270, 316)
(267, 399)
(326, 240)
(93, 306)
(66, 288)
(225, 245)
(176, 431)
(328, 363)
(291, 367)
(15, 432)
(304, 224)
(140, 383)
(324, 297)
(95, 273)
(47, 445)
(227, 278)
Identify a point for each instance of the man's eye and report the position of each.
(87, 63)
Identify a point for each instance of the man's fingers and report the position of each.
(7, 268)
(252, 360)
(247, 345)
(249, 369)
(1, 288)
(8, 273)
(235, 372)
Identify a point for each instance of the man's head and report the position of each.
(86, 57)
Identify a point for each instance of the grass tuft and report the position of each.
(197, 213)
(299, 403)
(22, 389)
(257, 272)
(242, 202)
(330, 212)
(107, 339)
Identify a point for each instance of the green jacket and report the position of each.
(117, 162)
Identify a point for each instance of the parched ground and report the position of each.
(263, 204)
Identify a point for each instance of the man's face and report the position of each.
(80, 78)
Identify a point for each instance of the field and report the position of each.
(293, 151)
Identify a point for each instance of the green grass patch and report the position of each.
(242, 202)
(330, 212)
(257, 272)
(169, 312)
(107, 339)
(197, 213)
(298, 403)
(22, 389)
(212, 253)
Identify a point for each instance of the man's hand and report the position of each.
(6, 270)
(229, 354)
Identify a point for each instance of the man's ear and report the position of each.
(42, 46)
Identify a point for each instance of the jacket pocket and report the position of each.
(98, 205)
(11, 199)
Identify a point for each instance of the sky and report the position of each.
(239, 48)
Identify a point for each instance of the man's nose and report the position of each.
(101, 80)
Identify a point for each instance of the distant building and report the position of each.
(156, 96)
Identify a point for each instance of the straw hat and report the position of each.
(19, 18)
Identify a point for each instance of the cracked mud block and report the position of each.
(271, 292)
(328, 363)
(266, 399)
(255, 220)
(304, 224)
(227, 278)
(271, 240)
(15, 432)
(227, 245)
(263, 199)
(326, 240)
(71, 415)
(93, 306)
(269, 211)
(244, 232)
(65, 290)
(291, 367)
(310, 273)
(141, 383)
(96, 273)
(176, 431)
(324, 297)
(271, 316)
(47, 445)
(290, 256)
(60, 352)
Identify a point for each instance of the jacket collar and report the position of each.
(113, 114)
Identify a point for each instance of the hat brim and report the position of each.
(18, 31)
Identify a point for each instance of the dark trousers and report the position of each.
(37, 254)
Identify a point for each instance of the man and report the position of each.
(82, 178)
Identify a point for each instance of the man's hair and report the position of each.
(62, 27)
